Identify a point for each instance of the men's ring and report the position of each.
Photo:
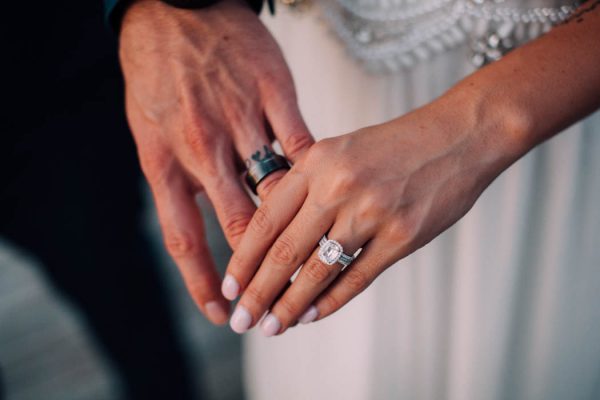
(263, 164)
(331, 252)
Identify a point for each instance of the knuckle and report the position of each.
(377, 199)
(197, 138)
(269, 78)
(275, 81)
(319, 150)
(338, 188)
(283, 251)
(296, 143)
(155, 165)
(180, 244)
(240, 112)
(255, 295)
(289, 306)
(198, 291)
(236, 263)
(261, 221)
(345, 178)
(330, 304)
(372, 206)
(301, 165)
(356, 279)
(316, 271)
(236, 224)
(402, 230)
(397, 233)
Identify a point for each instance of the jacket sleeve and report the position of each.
(114, 10)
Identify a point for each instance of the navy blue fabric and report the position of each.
(114, 9)
(69, 192)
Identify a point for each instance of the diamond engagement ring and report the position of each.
(332, 251)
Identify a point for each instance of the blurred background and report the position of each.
(90, 308)
(48, 350)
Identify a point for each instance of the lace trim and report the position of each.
(396, 36)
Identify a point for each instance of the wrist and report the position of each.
(124, 8)
(476, 136)
(498, 129)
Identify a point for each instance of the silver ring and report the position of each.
(332, 251)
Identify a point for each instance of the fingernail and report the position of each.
(230, 288)
(240, 320)
(309, 315)
(270, 325)
(215, 312)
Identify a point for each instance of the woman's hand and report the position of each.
(206, 89)
(387, 189)
(392, 188)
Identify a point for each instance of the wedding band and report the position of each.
(260, 168)
(332, 251)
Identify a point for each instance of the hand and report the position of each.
(390, 189)
(201, 86)
(387, 189)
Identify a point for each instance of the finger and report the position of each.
(314, 277)
(233, 206)
(182, 227)
(293, 246)
(372, 261)
(208, 157)
(214, 169)
(252, 143)
(281, 109)
(267, 183)
(269, 220)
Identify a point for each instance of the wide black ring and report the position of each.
(259, 170)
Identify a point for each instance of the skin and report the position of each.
(394, 187)
(205, 89)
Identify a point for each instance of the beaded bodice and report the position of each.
(394, 34)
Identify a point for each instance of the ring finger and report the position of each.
(253, 145)
(288, 251)
(314, 277)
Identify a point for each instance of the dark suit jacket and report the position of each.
(114, 8)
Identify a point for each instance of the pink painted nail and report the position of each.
(270, 325)
(309, 315)
(230, 287)
(240, 320)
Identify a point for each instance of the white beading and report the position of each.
(387, 35)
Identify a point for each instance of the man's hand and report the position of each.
(205, 89)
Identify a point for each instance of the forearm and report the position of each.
(537, 90)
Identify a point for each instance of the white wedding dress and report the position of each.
(504, 305)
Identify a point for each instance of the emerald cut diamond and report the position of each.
(330, 252)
